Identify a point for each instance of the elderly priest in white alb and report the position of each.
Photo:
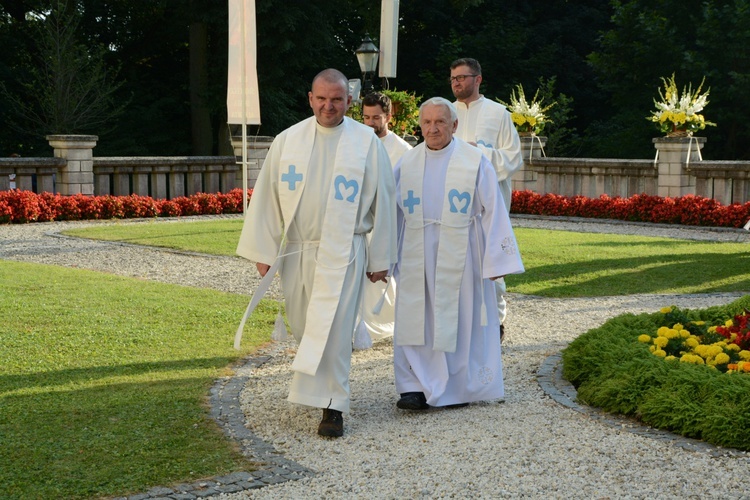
(324, 185)
(456, 239)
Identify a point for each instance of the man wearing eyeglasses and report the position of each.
(486, 124)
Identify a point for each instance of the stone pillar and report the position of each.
(524, 178)
(77, 177)
(675, 178)
(257, 149)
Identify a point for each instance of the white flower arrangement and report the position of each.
(527, 117)
(680, 114)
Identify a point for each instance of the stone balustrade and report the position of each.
(725, 181)
(164, 177)
(677, 170)
(30, 174)
(592, 177)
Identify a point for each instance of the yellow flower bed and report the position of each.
(721, 347)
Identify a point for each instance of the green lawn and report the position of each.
(104, 381)
(218, 236)
(567, 264)
(558, 263)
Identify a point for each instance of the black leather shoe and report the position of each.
(502, 332)
(412, 401)
(332, 424)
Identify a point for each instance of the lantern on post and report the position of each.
(367, 56)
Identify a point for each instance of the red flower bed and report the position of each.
(687, 210)
(25, 206)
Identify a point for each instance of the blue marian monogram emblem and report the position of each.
(482, 143)
(454, 196)
(340, 182)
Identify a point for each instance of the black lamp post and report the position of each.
(367, 56)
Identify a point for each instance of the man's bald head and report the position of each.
(329, 97)
(332, 75)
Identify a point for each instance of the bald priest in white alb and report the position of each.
(457, 239)
(324, 185)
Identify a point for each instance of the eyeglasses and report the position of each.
(460, 78)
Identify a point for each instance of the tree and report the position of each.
(69, 88)
(516, 42)
(691, 38)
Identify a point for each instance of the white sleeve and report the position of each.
(506, 156)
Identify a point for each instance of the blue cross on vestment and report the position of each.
(292, 177)
(411, 201)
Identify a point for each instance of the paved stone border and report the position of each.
(275, 468)
(550, 379)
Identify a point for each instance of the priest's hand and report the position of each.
(378, 276)
(473, 144)
(262, 268)
(497, 278)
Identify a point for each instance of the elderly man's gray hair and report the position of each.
(440, 101)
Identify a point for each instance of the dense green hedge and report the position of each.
(613, 371)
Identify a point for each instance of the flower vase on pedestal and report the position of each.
(677, 132)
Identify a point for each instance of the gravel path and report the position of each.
(528, 446)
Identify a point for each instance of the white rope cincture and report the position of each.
(429, 222)
(474, 219)
(354, 257)
(265, 284)
(263, 287)
(280, 333)
(362, 339)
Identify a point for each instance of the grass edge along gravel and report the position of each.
(613, 371)
(104, 381)
(559, 264)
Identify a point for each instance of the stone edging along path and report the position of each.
(275, 468)
(550, 379)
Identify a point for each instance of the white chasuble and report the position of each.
(334, 249)
(456, 219)
(487, 128)
(488, 124)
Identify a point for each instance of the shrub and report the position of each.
(612, 370)
(688, 210)
(25, 206)
(135, 206)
